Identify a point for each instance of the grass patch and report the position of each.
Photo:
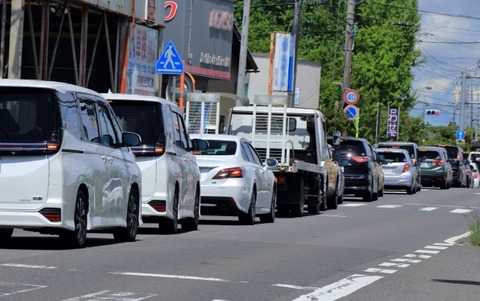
(473, 220)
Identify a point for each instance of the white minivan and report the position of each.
(170, 174)
(65, 165)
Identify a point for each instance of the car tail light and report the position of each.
(281, 180)
(406, 167)
(438, 162)
(234, 172)
(360, 159)
(160, 206)
(52, 214)
(159, 149)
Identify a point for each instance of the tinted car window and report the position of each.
(26, 116)
(393, 157)
(355, 148)
(143, 118)
(220, 147)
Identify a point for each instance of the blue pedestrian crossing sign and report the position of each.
(169, 61)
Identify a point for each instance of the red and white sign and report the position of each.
(351, 96)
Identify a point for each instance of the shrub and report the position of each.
(473, 220)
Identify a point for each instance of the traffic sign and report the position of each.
(351, 111)
(460, 135)
(351, 96)
(169, 61)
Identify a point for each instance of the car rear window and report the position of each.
(393, 156)
(26, 115)
(143, 118)
(352, 147)
(408, 148)
(220, 148)
(431, 155)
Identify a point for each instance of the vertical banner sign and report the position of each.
(393, 121)
(283, 64)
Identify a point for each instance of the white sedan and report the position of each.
(234, 181)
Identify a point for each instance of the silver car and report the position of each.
(398, 169)
(234, 181)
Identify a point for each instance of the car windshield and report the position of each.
(26, 115)
(220, 147)
(143, 118)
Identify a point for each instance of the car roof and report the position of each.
(53, 85)
(222, 137)
(136, 97)
(396, 143)
(276, 110)
(392, 150)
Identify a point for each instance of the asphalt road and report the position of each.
(401, 247)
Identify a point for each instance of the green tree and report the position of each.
(383, 55)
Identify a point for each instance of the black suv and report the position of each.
(455, 157)
(362, 171)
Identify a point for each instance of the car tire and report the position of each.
(191, 224)
(368, 196)
(411, 190)
(249, 217)
(270, 217)
(170, 225)
(5, 233)
(129, 233)
(332, 203)
(297, 210)
(78, 237)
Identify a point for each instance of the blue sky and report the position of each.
(450, 43)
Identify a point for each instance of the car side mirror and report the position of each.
(131, 139)
(199, 144)
(271, 162)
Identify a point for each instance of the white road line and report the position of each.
(340, 288)
(112, 296)
(462, 211)
(393, 264)
(406, 260)
(428, 209)
(436, 247)
(377, 270)
(295, 287)
(427, 251)
(390, 206)
(417, 256)
(453, 240)
(352, 205)
(17, 265)
(7, 289)
(333, 215)
(171, 276)
(443, 244)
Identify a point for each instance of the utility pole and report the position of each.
(242, 64)
(347, 67)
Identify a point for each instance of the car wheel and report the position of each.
(170, 225)
(270, 217)
(332, 203)
(191, 224)
(368, 196)
(410, 190)
(129, 233)
(249, 217)
(380, 192)
(78, 237)
(297, 210)
(6, 233)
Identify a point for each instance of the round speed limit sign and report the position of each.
(351, 96)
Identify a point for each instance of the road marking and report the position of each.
(352, 205)
(428, 209)
(443, 244)
(436, 247)
(427, 251)
(295, 287)
(419, 256)
(462, 211)
(7, 289)
(390, 206)
(340, 288)
(112, 296)
(171, 276)
(377, 270)
(406, 260)
(453, 240)
(393, 264)
(333, 215)
(17, 265)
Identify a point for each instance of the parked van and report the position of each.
(65, 165)
(170, 174)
